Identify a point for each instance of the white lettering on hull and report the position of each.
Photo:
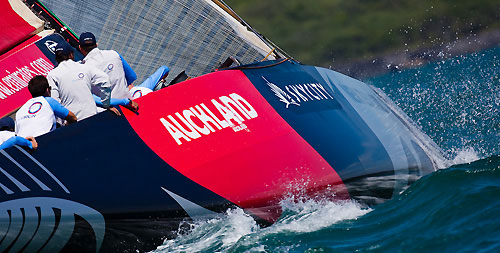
(18, 79)
(295, 94)
(199, 120)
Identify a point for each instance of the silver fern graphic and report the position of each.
(30, 224)
(282, 95)
(38, 224)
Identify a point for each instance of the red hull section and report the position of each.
(17, 67)
(252, 163)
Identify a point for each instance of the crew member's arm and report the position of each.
(158, 75)
(113, 102)
(130, 74)
(29, 142)
(34, 144)
(61, 111)
(101, 86)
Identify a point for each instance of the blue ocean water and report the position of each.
(456, 102)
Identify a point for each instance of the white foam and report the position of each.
(310, 215)
(216, 234)
(237, 229)
(465, 155)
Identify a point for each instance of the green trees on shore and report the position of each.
(330, 32)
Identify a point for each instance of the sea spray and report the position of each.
(465, 155)
(456, 101)
(236, 231)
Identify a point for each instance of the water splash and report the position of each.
(455, 101)
(212, 235)
(465, 155)
(308, 215)
(237, 231)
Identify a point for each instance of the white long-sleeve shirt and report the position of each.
(72, 84)
(5, 135)
(111, 63)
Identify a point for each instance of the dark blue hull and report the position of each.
(125, 183)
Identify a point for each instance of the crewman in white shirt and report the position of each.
(8, 137)
(29, 142)
(73, 83)
(119, 71)
(5, 135)
(149, 84)
(140, 90)
(38, 115)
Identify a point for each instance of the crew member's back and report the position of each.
(73, 83)
(119, 71)
(37, 115)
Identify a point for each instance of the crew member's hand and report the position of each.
(134, 106)
(34, 144)
(115, 111)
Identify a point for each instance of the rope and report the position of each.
(268, 55)
(267, 66)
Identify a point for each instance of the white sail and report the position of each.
(191, 35)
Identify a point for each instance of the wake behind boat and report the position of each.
(245, 136)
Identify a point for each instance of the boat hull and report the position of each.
(246, 137)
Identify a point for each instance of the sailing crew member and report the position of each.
(8, 137)
(38, 115)
(138, 91)
(73, 84)
(149, 84)
(119, 71)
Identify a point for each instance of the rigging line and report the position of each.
(261, 67)
(228, 10)
(56, 19)
(269, 43)
(270, 52)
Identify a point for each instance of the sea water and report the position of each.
(457, 103)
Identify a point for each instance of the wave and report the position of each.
(236, 231)
(454, 209)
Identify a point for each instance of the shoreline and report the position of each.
(406, 59)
